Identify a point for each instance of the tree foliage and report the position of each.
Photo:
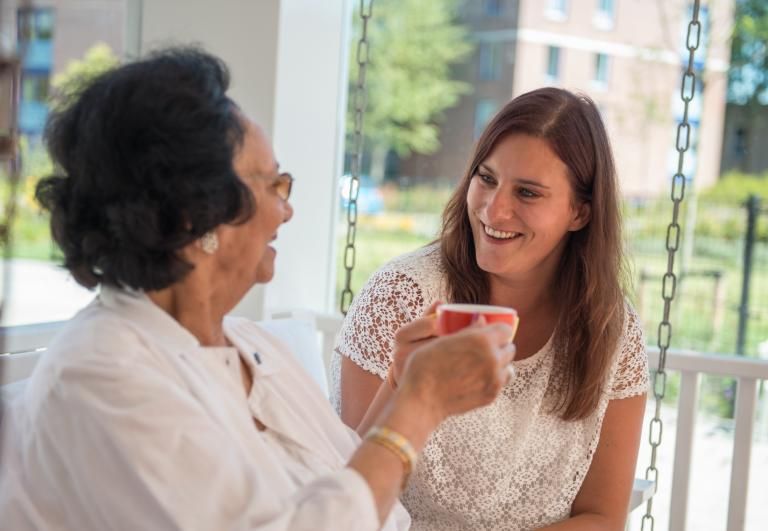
(97, 59)
(414, 45)
(748, 77)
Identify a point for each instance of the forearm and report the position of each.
(380, 401)
(379, 466)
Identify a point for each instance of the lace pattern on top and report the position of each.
(510, 465)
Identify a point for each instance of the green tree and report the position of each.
(97, 59)
(748, 76)
(414, 45)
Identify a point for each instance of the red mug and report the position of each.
(453, 317)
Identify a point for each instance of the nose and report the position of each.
(287, 211)
(500, 205)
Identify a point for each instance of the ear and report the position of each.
(582, 215)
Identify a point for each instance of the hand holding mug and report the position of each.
(460, 372)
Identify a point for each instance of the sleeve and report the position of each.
(133, 449)
(630, 376)
(389, 300)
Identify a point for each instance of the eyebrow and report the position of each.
(527, 182)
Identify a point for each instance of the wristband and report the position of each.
(398, 445)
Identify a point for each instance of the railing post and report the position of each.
(753, 210)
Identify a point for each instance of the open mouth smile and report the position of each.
(500, 234)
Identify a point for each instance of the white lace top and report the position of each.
(510, 465)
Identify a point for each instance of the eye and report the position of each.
(527, 193)
(485, 178)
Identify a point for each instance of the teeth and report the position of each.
(499, 234)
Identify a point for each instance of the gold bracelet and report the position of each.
(398, 445)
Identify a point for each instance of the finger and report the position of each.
(416, 330)
(506, 354)
(432, 310)
(501, 333)
(507, 373)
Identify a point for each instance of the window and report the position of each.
(605, 14)
(557, 9)
(34, 88)
(493, 8)
(605, 7)
(553, 63)
(490, 61)
(484, 111)
(35, 24)
(42, 290)
(601, 69)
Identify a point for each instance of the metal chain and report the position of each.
(359, 100)
(669, 282)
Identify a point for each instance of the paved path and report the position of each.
(39, 292)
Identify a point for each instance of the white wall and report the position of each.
(308, 136)
(242, 32)
(288, 65)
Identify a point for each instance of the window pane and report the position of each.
(553, 63)
(91, 34)
(601, 68)
(484, 111)
(558, 6)
(493, 7)
(606, 7)
(490, 61)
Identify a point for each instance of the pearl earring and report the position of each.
(209, 242)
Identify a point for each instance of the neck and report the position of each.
(527, 296)
(195, 310)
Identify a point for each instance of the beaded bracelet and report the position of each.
(397, 444)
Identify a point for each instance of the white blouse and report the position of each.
(128, 423)
(510, 465)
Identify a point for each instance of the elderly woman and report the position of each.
(151, 409)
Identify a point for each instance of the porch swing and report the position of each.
(643, 488)
(27, 339)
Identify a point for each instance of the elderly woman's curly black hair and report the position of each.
(143, 157)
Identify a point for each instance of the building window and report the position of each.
(493, 7)
(35, 87)
(553, 64)
(606, 7)
(605, 14)
(490, 61)
(601, 69)
(484, 111)
(35, 24)
(557, 9)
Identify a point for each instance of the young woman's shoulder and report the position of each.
(630, 374)
(422, 263)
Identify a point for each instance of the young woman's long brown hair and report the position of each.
(592, 275)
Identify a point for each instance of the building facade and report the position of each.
(626, 55)
(48, 35)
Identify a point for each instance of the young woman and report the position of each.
(535, 225)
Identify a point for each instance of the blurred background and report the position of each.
(438, 71)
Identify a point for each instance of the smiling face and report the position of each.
(521, 209)
(244, 256)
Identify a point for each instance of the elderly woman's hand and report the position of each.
(460, 372)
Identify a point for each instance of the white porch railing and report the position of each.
(26, 342)
(748, 372)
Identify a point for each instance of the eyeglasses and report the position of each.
(283, 185)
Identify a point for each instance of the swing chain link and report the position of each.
(669, 282)
(359, 101)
